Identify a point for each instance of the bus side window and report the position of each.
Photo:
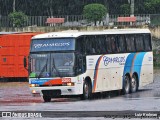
(147, 42)
(80, 45)
(113, 44)
(108, 44)
(139, 43)
(102, 45)
(130, 43)
(133, 43)
(99, 44)
(94, 45)
(121, 44)
(89, 43)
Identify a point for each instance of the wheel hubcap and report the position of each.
(133, 84)
(127, 85)
(86, 90)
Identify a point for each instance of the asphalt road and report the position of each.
(16, 97)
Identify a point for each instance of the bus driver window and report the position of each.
(68, 61)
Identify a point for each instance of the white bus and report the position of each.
(83, 63)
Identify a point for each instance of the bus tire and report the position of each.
(134, 83)
(87, 91)
(47, 99)
(126, 86)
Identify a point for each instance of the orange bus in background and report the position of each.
(13, 48)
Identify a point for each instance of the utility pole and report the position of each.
(132, 7)
(14, 5)
(14, 9)
(131, 2)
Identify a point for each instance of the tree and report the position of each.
(125, 9)
(74, 7)
(18, 18)
(94, 12)
(152, 6)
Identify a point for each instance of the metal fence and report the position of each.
(79, 20)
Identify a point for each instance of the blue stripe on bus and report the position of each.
(128, 64)
(138, 63)
(133, 64)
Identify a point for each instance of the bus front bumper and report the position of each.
(53, 91)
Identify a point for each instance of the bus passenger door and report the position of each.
(80, 66)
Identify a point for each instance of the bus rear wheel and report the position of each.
(47, 99)
(126, 86)
(87, 91)
(134, 84)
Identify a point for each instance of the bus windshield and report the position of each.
(52, 65)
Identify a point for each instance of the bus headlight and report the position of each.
(34, 92)
(33, 85)
(70, 84)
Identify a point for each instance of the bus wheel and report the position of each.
(87, 91)
(126, 87)
(134, 85)
(47, 99)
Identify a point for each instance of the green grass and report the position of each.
(155, 20)
(156, 59)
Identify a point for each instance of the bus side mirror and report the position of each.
(25, 62)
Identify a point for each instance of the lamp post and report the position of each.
(14, 5)
(131, 2)
(0, 21)
(132, 7)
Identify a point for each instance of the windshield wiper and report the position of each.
(54, 67)
(45, 66)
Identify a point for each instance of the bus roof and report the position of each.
(6, 33)
(73, 33)
(20, 33)
(27, 33)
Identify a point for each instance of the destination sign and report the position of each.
(52, 44)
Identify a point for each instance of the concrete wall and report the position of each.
(154, 30)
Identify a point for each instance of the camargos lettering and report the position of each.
(120, 60)
(51, 45)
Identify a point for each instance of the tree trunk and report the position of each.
(95, 23)
(14, 5)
